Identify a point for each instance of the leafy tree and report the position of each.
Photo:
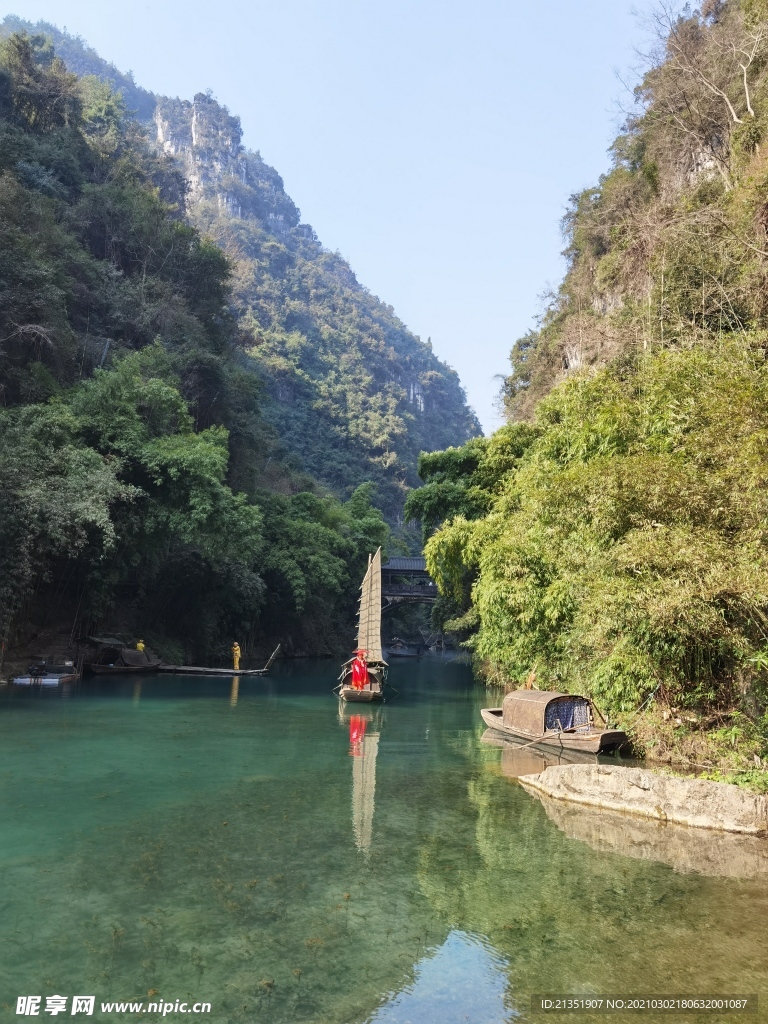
(44, 95)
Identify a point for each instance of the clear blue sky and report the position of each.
(434, 143)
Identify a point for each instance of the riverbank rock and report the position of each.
(684, 801)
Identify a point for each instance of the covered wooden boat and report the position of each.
(553, 719)
(368, 641)
(111, 657)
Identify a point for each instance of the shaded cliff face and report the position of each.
(352, 393)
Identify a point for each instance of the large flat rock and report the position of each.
(684, 801)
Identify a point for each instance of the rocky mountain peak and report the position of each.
(207, 141)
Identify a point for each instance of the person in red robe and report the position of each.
(359, 671)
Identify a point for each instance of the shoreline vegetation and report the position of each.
(612, 539)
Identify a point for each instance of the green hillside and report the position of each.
(613, 538)
(144, 486)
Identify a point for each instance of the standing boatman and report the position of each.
(360, 670)
(140, 646)
(236, 656)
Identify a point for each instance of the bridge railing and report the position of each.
(409, 590)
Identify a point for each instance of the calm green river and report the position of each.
(251, 846)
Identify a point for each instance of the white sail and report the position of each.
(369, 623)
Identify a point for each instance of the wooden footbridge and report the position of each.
(406, 581)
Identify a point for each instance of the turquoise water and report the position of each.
(194, 839)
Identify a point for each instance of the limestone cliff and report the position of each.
(207, 141)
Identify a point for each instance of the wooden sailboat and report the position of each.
(368, 640)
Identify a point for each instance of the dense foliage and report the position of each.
(133, 450)
(613, 538)
(618, 545)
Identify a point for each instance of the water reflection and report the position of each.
(684, 849)
(234, 691)
(521, 758)
(176, 846)
(364, 749)
(464, 979)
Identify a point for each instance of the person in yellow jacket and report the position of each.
(140, 646)
(236, 656)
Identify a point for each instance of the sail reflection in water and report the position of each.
(364, 750)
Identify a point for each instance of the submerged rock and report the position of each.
(687, 850)
(684, 801)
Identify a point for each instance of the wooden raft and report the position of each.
(201, 670)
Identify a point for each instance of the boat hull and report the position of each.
(594, 741)
(43, 680)
(200, 670)
(121, 670)
(377, 675)
(349, 693)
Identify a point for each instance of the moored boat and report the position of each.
(112, 658)
(545, 718)
(121, 668)
(43, 674)
(363, 676)
(398, 648)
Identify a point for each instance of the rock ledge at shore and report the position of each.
(686, 801)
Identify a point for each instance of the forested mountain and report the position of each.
(352, 394)
(164, 397)
(353, 391)
(614, 537)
